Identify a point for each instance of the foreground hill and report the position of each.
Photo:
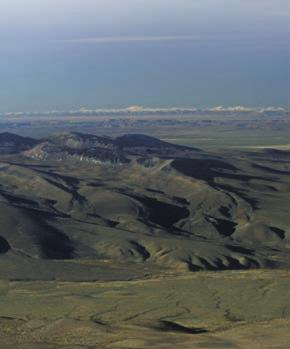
(82, 207)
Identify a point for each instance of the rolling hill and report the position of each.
(93, 205)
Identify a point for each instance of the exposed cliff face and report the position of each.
(75, 140)
(97, 155)
(78, 147)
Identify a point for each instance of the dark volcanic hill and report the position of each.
(90, 148)
(11, 143)
(140, 140)
(143, 145)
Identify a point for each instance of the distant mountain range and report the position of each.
(139, 110)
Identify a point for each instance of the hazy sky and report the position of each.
(104, 53)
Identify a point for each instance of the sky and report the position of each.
(68, 54)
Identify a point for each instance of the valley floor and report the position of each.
(231, 309)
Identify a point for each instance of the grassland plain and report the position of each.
(241, 309)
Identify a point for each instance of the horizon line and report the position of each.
(136, 109)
